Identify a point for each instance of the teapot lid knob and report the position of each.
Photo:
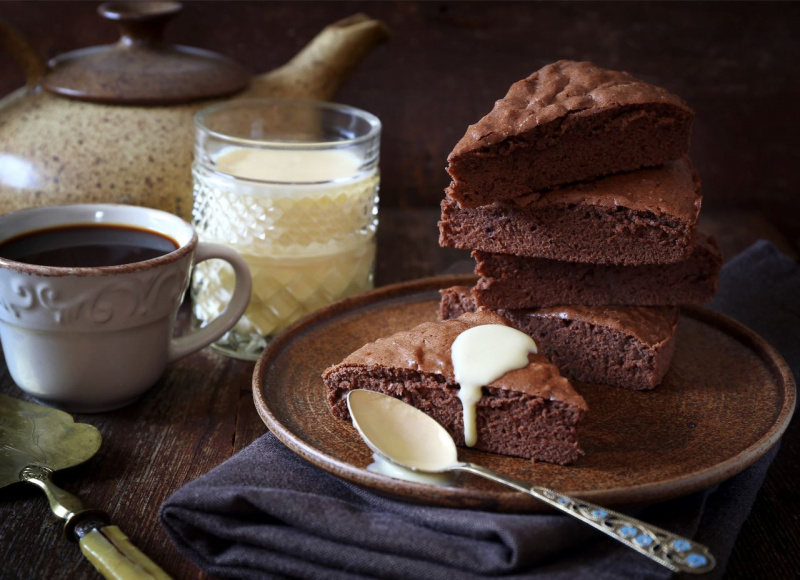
(140, 20)
(142, 69)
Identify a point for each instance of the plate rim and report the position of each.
(510, 500)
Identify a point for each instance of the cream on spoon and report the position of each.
(379, 419)
(409, 438)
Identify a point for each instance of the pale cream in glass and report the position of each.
(304, 219)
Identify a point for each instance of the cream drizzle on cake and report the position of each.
(481, 355)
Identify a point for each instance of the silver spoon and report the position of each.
(408, 438)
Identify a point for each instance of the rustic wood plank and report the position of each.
(769, 543)
(201, 412)
(408, 246)
(180, 429)
(447, 63)
(729, 61)
(736, 229)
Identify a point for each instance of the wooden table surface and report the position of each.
(734, 63)
(201, 412)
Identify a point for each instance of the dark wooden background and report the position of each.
(736, 64)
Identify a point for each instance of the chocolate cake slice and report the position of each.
(623, 346)
(519, 282)
(567, 122)
(643, 217)
(532, 412)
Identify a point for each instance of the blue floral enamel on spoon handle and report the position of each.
(677, 553)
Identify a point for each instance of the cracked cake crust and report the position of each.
(567, 122)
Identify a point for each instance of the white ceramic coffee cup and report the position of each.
(94, 339)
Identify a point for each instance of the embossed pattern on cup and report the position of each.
(93, 339)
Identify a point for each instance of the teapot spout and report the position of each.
(317, 71)
(23, 52)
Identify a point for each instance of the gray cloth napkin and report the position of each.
(266, 513)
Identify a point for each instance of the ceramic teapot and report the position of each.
(114, 123)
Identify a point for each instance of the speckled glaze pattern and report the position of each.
(56, 150)
(703, 416)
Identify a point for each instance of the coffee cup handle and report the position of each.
(194, 341)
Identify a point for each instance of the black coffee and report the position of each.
(86, 246)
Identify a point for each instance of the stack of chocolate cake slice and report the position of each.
(580, 204)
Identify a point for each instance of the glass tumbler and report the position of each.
(292, 186)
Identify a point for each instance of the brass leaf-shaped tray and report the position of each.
(33, 434)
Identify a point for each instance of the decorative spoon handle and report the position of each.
(677, 553)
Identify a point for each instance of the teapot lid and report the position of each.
(142, 69)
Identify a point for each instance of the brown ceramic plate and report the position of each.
(725, 401)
